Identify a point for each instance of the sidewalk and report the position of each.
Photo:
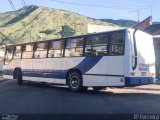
(147, 87)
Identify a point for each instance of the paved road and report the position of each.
(36, 98)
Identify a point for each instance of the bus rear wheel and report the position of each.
(18, 75)
(75, 81)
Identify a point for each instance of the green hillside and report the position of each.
(40, 23)
(122, 22)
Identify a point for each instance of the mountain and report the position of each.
(121, 22)
(41, 23)
(124, 23)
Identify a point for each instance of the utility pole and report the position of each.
(151, 11)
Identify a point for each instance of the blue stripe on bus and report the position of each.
(8, 72)
(134, 81)
(90, 62)
(84, 66)
(39, 73)
(45, 75)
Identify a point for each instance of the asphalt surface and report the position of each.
(35, 98)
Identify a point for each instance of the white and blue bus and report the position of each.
(117, 58)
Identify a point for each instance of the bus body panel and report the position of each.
(27, 67)
(96, 65)
(7, 70)
(109, 71)
(116, 65)
(96, 70)
(116, 68)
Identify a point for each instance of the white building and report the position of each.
(100, 28)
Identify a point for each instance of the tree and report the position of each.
(67, 31)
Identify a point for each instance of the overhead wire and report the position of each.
(30, 20)
(24, 4)
(13, 7)
(100, 6)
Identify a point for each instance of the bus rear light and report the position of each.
(132, 73)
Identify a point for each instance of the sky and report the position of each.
(110, 9)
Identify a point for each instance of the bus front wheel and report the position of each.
(18, 75)
(75, 81)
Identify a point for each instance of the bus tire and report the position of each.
(75, 81)
(19, 76)
(98, 88)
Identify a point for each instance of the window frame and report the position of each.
(65, 43)
(28, 51)
(63, 48)
(14, 50)
(110, 44)
(6, 54)
(79, 37)
(34, 49)
(97, 35)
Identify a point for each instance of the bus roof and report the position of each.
(123, 29)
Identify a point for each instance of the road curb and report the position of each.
(156, 88)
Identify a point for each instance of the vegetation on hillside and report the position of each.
(39, 23)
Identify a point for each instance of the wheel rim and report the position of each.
(74, 81)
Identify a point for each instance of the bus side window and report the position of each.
(41, 50)
(117, 44)
(96, 45)
(27, 51)
(74, 47)
(17, 52)
(9, 54)
(56, 48)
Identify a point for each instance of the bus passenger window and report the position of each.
(17, 52)
(56, 49)
(96, 45)
(41, 50)
(9, 54)
(27, 51)
(117, 44)
(74, 47)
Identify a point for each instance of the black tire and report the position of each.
(75, 81)
(98, 88)
(18, 75)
